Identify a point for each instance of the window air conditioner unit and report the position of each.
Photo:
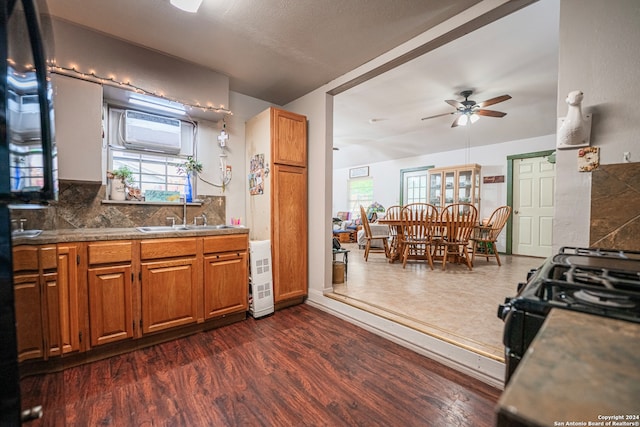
(145, 131)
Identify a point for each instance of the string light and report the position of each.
(112, 81)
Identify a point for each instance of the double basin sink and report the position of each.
(169, 228)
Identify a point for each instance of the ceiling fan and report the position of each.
(470, 111)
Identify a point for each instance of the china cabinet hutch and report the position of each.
(455, 184)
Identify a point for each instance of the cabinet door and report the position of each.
(110, 304)
(465, 186)
(435, 188)
(289, 225)
(28, 306)
(449, 187)
(288, 138)
(78, 122)
(28, 302)
(50, 283)
(169, 294)
(68, 300)
(225, 284)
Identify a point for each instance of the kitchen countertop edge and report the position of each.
(97, 234)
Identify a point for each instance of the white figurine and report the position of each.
(573, 131)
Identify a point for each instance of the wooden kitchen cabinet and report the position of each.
(280, 213)
(48, 264)
(225, 275)
(81, 301)
(170, 283)
(63, 301)
(110, 294)
(46, 302)
(289, 239)
(288, 138)
(27, 288)
(455, 184)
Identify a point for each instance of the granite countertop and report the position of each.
(580, 370)
(95, 234)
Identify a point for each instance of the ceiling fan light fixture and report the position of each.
(191, 6)
(469, 111)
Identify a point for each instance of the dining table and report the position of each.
(395, 253)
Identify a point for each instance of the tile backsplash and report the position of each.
(615, 207)
(81, 205)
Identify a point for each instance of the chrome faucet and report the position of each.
(184, 211)
(203, 217)
(172, 219)
(22, 222)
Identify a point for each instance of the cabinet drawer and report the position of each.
(25, 258)
(109, 253)
(167, 248)
(48, 257)
(225, 243)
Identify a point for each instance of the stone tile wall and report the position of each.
(80, 205)
(615, 207)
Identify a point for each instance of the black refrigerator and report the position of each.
(27, 166)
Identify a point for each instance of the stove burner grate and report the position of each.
(603, 299)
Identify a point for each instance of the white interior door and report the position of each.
(533, 195)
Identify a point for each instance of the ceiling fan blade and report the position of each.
(493, 101)
(439, 115)
(456, 122)
(490, 113)
(454, 103)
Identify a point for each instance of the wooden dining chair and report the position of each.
(370, 237)
(393, 213)
(419, 222)
(457, 221)
(485, 237)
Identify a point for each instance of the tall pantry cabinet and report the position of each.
(276, 144)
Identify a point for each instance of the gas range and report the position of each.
(595, 281)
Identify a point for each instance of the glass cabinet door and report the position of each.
(465, 185)
(449, 192)
(435, 189)
(476, 188)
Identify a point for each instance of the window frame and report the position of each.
(354, 205)
(117, 154)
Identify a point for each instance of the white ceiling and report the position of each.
(516, 55)
(279, 50)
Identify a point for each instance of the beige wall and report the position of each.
(180, 80)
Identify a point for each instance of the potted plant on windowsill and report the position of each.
(191, 167)
(121, 178)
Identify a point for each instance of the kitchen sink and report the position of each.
(168, 228)
(26, 233)
(162, 228)
(209, 227)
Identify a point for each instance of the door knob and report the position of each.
(515, 212)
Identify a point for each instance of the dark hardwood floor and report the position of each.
(299, 367)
